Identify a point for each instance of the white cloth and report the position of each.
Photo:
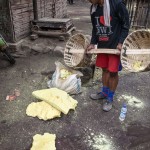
(94, 7)
(106, 11)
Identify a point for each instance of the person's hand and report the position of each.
(91, 46)
(119, 46)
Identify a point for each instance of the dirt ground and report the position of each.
(86, 128)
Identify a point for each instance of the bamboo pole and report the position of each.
(111, 51)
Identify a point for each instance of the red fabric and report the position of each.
(102, 20)
(108, 61)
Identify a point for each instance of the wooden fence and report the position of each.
(139, 12)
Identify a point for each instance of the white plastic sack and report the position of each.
(72, 84)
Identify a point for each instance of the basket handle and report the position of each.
(135, 51)
(106, 51)
(96, 51)
(124, 51)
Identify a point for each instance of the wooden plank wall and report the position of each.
(60, 8)
(52, 8)
(22, 14)
(5, 21)
(45, 8)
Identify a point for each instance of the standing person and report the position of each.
(110, 22)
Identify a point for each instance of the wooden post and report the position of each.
(35, 9)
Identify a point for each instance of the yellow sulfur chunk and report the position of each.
(42, 110)
(138, 65)
(44, 142)
(64, 73)
(57, 98)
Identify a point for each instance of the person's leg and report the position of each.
(105, 77)
(114, 62)
(105, 74)
(104, 91)
(102, 61)
(113, 81)
(105, 82)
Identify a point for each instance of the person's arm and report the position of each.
(93, 41)
(93, 38)
(124, 20)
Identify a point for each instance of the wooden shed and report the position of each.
(16, 15)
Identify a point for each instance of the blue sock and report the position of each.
(110, 96)
(105, 90)
(120, 67)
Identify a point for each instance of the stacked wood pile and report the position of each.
(22, 14)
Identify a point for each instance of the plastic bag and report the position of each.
(71, 84)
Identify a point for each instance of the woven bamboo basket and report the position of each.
(138, 40)
(75, 60)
